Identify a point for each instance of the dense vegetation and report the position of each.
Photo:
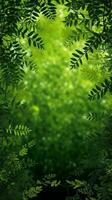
(55, 99)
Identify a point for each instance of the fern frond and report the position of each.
(90, 45)
(76, 59)
(12, 68)
(72, 19)
(100, 90)
(74, 36)
(31, 65)
(92, 116)
(96, 116)
(90, 72)
(10, 14)
(31, 12)
(32, 37)
(18, 130)
(48, 10)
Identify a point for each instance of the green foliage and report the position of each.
(96, 18)
(99, 91)
(91, 44)
(32, 37)
(18, 130)
(48, 10)
(32, 192)
(82, 187)
(44, 126)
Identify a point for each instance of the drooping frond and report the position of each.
(18, 130)
(100, 90)
(90, 45)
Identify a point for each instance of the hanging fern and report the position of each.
(72, 19)
(10, 15)
(18, 130)
(100, 90)
(94, 116)
(90, 45)
(49, 9)
(81, 188)
(12, 68)
(90, 73)
(74, 36)
(31, 12)
(31, 65)
(76, 59)
(32, 37)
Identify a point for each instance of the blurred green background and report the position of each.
(57, 105)
(51, 135)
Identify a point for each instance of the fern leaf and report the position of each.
(100, 90)
(18, 130)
